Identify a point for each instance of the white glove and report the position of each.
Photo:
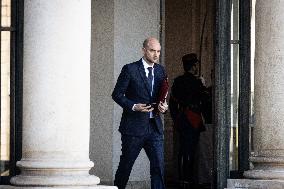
(202, 81)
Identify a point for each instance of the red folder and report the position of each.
(162, 95)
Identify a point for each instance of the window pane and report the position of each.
(6, 13)
(5, 103)
(252, 118)
(234, 85)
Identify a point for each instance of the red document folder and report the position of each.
(162, 96)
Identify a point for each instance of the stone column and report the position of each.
(268, 158)
(56, 95)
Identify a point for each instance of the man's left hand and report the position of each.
(163, 107)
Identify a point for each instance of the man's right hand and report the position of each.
(143, 108)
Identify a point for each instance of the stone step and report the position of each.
(255, 184)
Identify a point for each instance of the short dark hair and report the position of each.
(145, 43)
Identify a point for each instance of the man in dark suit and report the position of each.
(136, 89)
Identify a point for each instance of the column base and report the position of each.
(54, 173)
(255, 184)
(265, 174)
(266, 168)
(22, 180)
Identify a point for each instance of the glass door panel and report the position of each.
(242, 46)
(233, 157)
(5, 87)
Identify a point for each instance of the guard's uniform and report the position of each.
(187, 94)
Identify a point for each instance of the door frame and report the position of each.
(221, 94)
(222, 88)
(16, 84)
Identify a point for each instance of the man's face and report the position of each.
(195, 69)
(152, 51)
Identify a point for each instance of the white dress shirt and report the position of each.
(146, 66)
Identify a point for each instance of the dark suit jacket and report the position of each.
(132, 88)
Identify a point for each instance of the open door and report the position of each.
(188, 27)
(226, 53)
